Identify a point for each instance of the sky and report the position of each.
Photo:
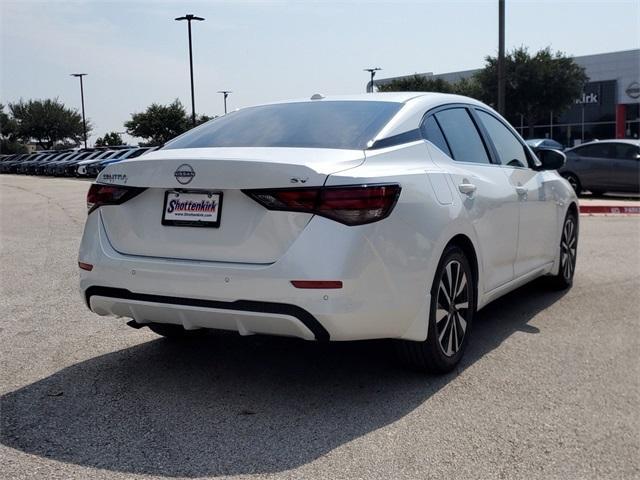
(135, 53)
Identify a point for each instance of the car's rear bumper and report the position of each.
(378, 299)
(245, 316)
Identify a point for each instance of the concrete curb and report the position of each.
(609, 210)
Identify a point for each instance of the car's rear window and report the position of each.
(319, 124)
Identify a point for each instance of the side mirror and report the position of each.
(550, 159)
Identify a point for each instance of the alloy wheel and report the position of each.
(452, 307)
(568, 248)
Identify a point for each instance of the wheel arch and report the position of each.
(573, 209)
(418, 328)
(466, 245)
(565, 173)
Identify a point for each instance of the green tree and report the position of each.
(535, 85)
(417, 83)
(203, 119)
(7, 125)
(47, 122)
(158, 123)
(110, 139)
(8, 140)
(469, 87)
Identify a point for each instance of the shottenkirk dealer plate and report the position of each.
(192, 209)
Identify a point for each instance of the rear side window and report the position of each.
(626, 151)
(462, 136)
(510, 151)
(137, 153)
(120, 153)
(314, 124)
(431, 131)
(599, 151)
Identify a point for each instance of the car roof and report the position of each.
(628, 141)
(407, 118)
(397, 97)
(393, 97)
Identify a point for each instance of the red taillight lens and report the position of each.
(299, 200)
(99, 195)
(351, 205)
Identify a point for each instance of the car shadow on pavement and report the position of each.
(224, 404)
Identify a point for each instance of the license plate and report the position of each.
(192, 209)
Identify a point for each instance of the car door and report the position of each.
(538, 211)
(483, 191)
(625, 170)
(594, 164)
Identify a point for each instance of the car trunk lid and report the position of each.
(247, 232)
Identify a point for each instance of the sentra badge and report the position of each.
(114, 177)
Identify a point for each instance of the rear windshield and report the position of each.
(320, 124)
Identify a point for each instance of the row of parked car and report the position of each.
(83, 162)
(598, 166)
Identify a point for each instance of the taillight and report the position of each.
(350, 205)
(99, 195)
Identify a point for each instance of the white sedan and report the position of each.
(332, 218)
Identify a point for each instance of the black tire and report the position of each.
(171, 331)
(568, 253)
(443, 349)
(574, 181)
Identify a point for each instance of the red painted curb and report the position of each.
(589, 209)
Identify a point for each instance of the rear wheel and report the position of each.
(451, 316)
(574, 182)
(568, 253)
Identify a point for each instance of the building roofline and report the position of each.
(470, 71)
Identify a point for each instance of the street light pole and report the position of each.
(84, 121)
(372, 71)
(501, 73)
(225, 94)
(189, 17)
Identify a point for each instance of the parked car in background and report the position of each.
(60, 168)
(40, 167)
(79, 168)
(95, 168)
(83, 162)
(10, 163)
(386, 215)
(544, 143)
(84, 168)
(24, 166)
(604, 166)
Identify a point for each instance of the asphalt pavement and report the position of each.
(549, 389)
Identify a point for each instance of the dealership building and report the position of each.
(609, 107)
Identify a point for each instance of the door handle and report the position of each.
(522, 191)
(467, 188)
